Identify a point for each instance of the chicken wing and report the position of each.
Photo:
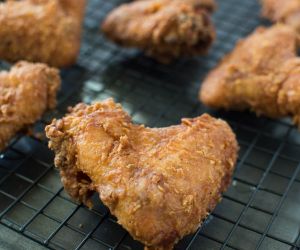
(285, 11)
(46, 31)
(26, 91)
(159, 182)
(165, 29)
(262, 74)
(209, 5)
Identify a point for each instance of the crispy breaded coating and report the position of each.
(27, 91)
(209, 5)
(46, 31)
(164, 29)
(159, 182)
(262, 74)
(285, 11)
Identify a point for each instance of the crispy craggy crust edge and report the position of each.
(158, 48)
(49, 75)
(29, 73)
(65, 160)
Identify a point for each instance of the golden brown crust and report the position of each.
(285, 11)
(165, 29)
(259, 74)
(159, 182)
(209, 5)
(27, 90)
(46, 31)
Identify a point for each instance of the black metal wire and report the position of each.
(253, 194)
(278, 207)
(156, 95)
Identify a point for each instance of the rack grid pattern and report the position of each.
(261, 209)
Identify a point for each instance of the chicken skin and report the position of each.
(26, 91)
(262, 74)
(164, 29)
(46, 31)
(285, 11)
(159, 182)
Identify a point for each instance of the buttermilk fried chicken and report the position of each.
(262, 74)
(159, 182)
(209, 5)
(46, 31)
(164, 29)
(285, 11)
(27, 90)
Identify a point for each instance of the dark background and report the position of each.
(261, 210)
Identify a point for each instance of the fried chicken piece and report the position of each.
(209, 5)
(165, 29)
(285, 11)
(27, 90)
(45, 31)
(159, 182)
(262, 74)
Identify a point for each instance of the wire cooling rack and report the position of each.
(261, 209)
